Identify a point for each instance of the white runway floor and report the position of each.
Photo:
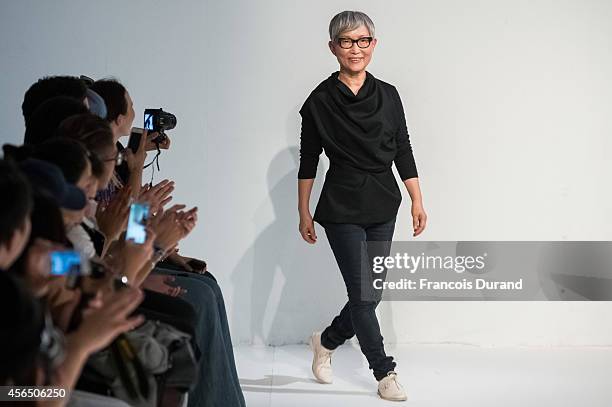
(433, 375)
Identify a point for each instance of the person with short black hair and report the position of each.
(15, 223)
(44, 121)
(119, 106)
(50, 87)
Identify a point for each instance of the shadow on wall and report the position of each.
(294, 288)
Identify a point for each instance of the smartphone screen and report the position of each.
(148, 121)
(65, 262)
(136, 228)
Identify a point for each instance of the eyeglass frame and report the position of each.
(118, 159)
(339, 40)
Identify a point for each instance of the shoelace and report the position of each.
(325, 357)
(393, 379)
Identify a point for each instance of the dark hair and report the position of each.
(17, 154)
(47, 223)
(45, 120)
(16, 202)
(50, 87)
(93, 132)
(67, 154)
(22, 319)
(113, 93)
(47, 220)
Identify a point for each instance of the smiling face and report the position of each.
(353, 60)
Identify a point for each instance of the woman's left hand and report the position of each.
(419, 218)
(164, 143)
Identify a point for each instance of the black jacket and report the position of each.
(362, 135)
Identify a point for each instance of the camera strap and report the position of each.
(154, 160)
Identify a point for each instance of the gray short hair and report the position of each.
(349, 21)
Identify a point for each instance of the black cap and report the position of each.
(49, 179)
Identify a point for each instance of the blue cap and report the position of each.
(97, 105)
(49, 179)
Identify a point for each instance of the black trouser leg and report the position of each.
(358, 316)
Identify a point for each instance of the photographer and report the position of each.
(120, 115)
(96, 235)
(220, 379)
(102, 319)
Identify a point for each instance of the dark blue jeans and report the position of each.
(358, 317)
(218, 382)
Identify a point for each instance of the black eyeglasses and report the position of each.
(118, 159)
(347, 43)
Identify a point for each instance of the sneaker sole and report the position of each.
(392, 399)
(313, 363)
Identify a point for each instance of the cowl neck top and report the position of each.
(362, 136)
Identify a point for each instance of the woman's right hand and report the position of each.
(157, 196)
(112, 219)
(173, 225)
(163, 284)
(106, 318)
(135, 161)
(135, 256)
(307, 228)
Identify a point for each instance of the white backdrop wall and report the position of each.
(508, 105)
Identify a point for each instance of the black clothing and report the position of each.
(97, 238)
(122, 171)
(358, 317)
(362, 135)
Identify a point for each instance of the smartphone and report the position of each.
(136, 228)
(65, 262)
(134, 141)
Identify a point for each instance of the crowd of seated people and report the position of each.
(69, 193)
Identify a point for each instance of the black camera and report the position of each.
(156, 120)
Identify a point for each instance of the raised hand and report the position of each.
(158, 195)
(112, 219)
(106, 318)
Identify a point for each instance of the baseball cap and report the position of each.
(48, 179)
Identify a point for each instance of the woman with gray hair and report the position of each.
(359, 121)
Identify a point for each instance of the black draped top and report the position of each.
(362, 135)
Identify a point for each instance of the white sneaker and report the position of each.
(390, 389)
(321, 359)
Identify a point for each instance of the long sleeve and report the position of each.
(404, 159)
(310, 147)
